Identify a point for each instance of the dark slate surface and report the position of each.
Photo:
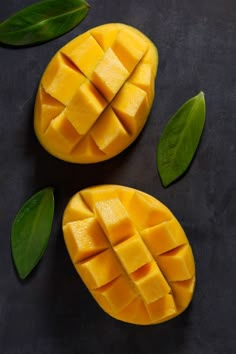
(52, 312)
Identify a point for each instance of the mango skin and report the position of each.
(96, 93)
(131, 253)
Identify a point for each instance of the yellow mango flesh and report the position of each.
(131, 253)
(96, 93)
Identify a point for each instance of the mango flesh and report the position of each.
(96, 94)
(131, 253)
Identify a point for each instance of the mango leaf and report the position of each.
(42, 21)
(31, 231)
(180, 139)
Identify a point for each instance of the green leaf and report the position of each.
(42, 21)
(31, 230)
(180, 139)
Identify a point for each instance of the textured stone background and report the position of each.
(52, 312)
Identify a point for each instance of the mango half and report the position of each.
(96, 94)
(131, 253)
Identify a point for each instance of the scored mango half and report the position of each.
(96, 94)
(131, 253)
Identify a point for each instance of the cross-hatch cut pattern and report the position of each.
(131, 253)
(96, 94)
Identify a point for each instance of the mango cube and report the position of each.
(105, 38)
(183, 292)
(87, 149)
(48, 108)
(162, 309)
(77, 210)
(71, 46)
(135, 312)
(85, 107)
(130, 104)
(84, 238)
(143, 78)
(177, 264)
(118, 257)
(109, 75)
(164, 237)
(150, 282)
(98, 194)
(61, 80)
(133, 253)
(115, 295)
(104, 81)
(114, 132)
(147, 213)
(108, 267)
(130, 48)
(114, 220)
(62, 133)
(86, 55)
